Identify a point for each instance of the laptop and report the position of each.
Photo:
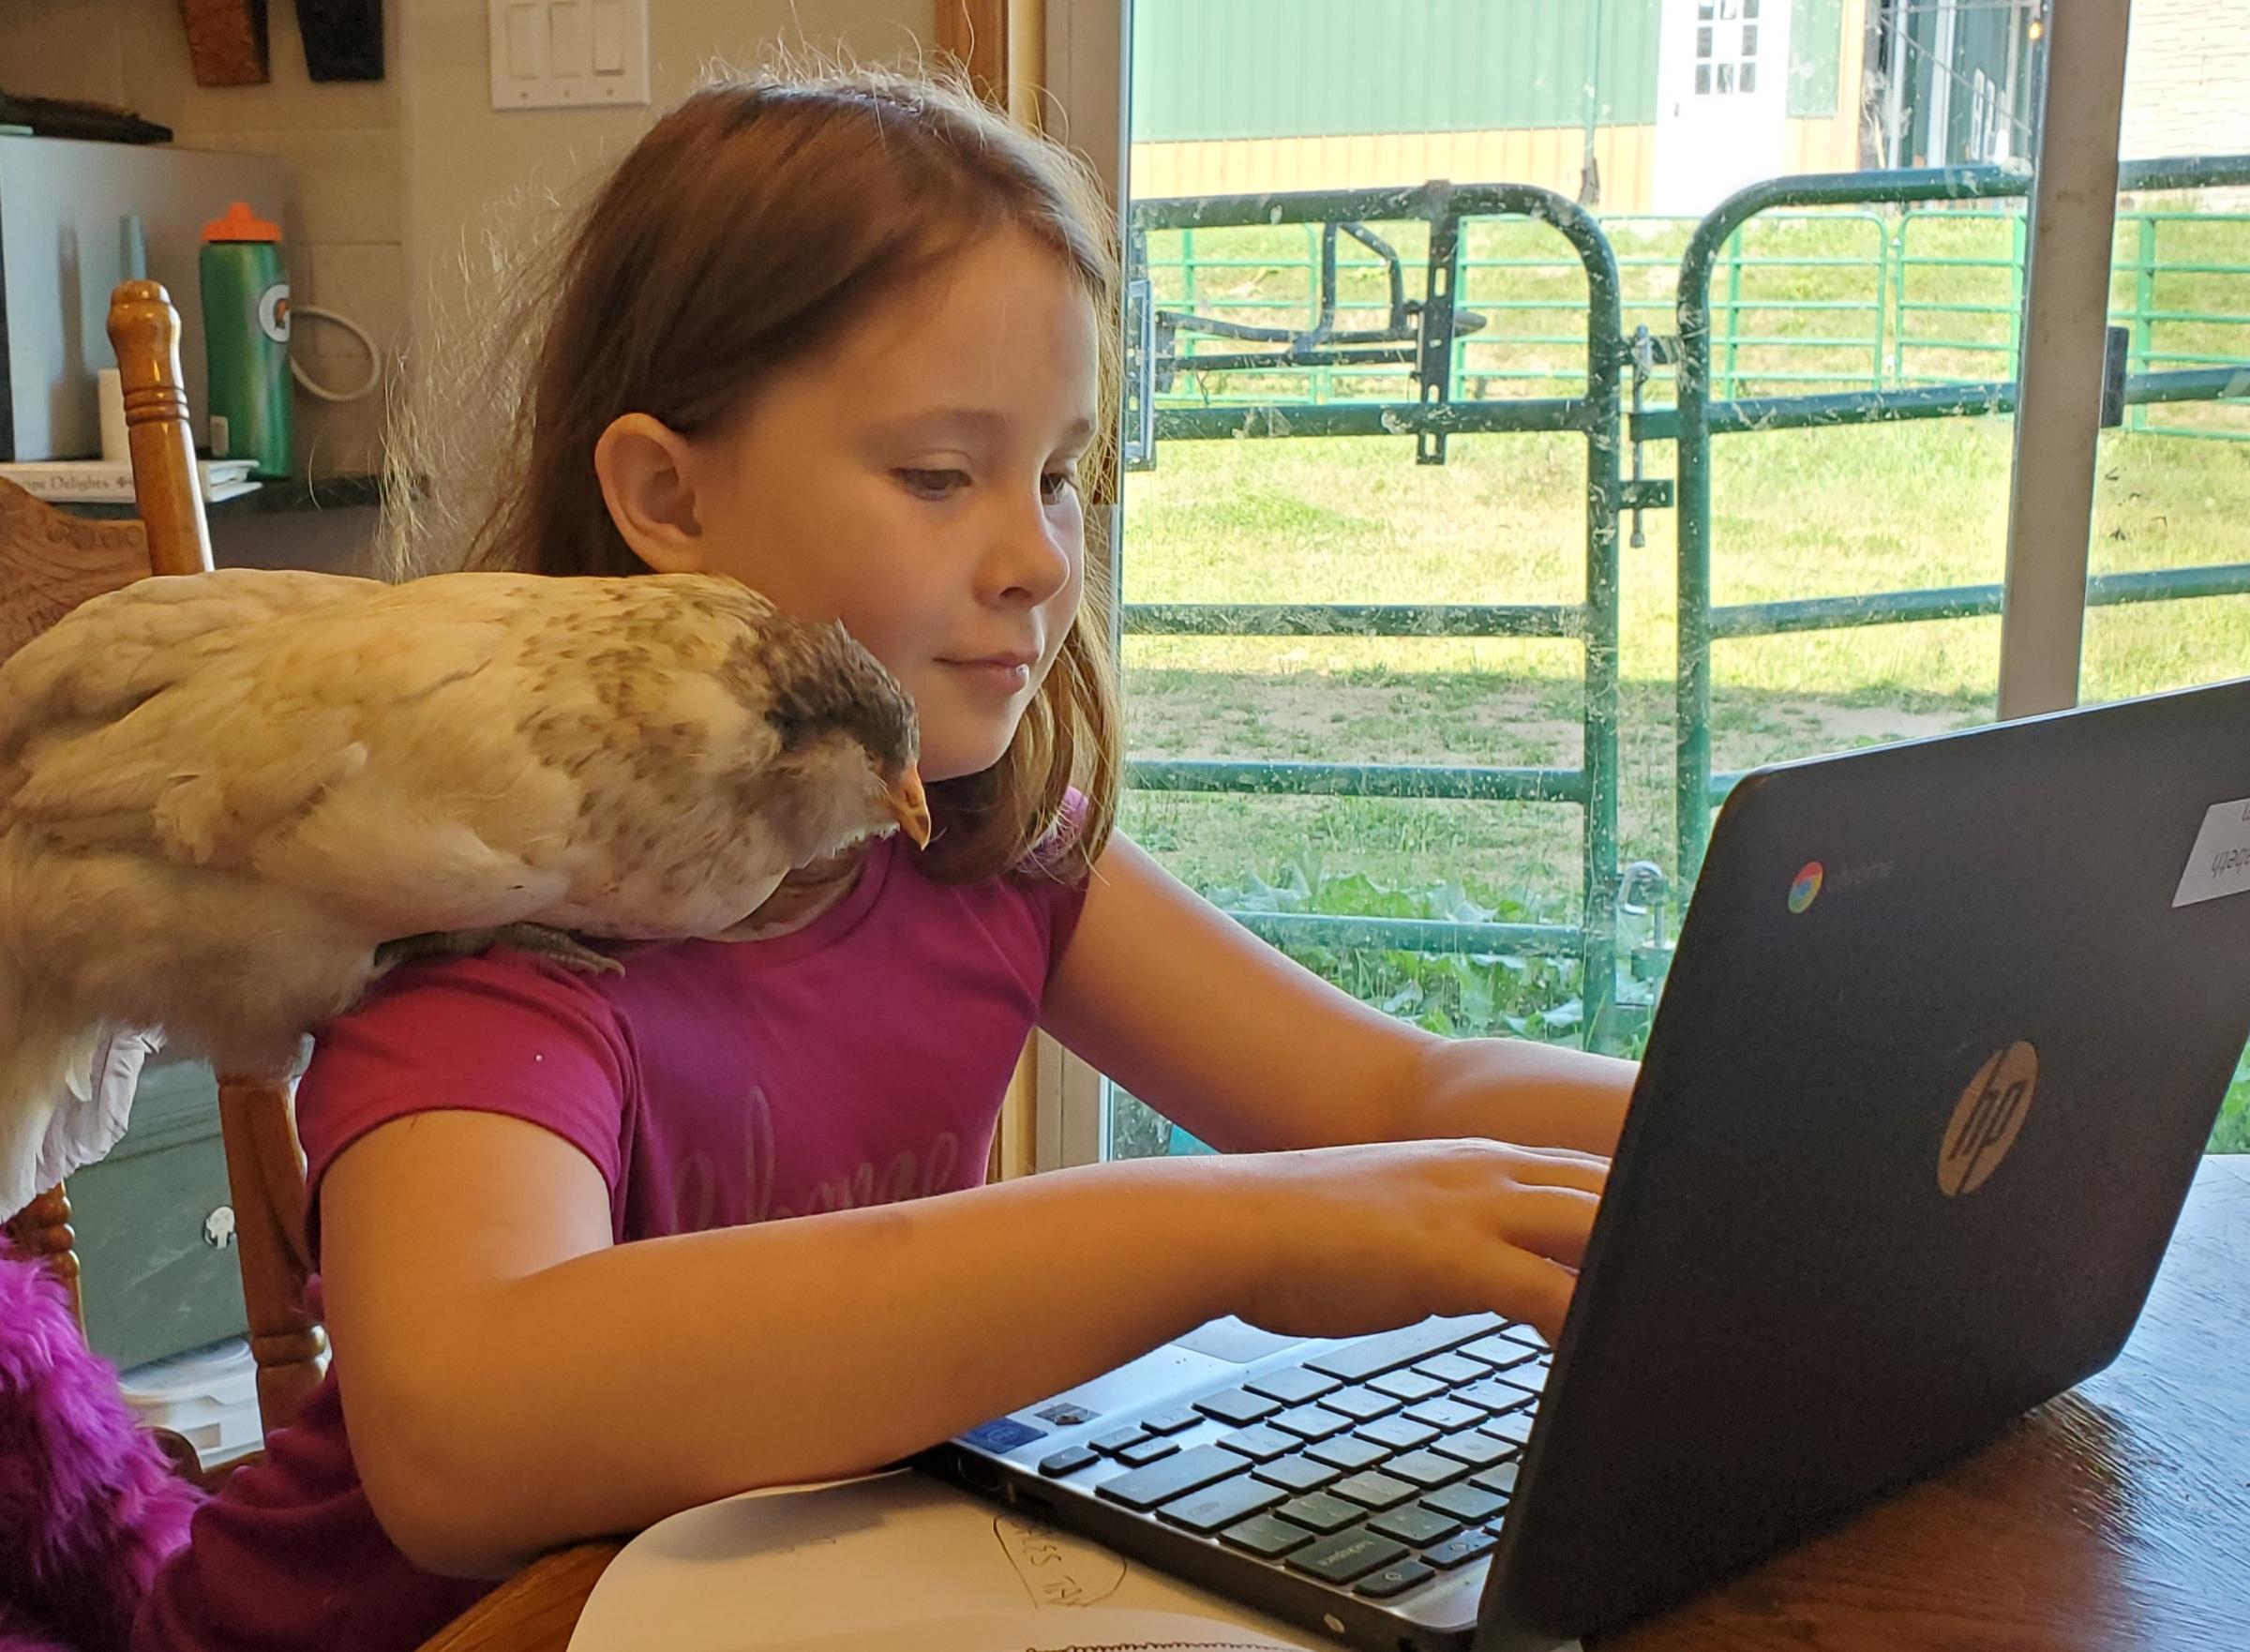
(1946, 1031)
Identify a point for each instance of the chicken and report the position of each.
(229, 801)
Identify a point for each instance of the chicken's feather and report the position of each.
(220, 794)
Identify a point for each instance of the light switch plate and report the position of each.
(569, 53)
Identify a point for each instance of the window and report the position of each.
(1243, 510)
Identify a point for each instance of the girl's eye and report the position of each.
(1055, 484)
(939, 483)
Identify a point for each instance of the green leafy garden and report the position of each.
(1524, 995)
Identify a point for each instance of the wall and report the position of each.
(1251, 96)
(391, 174)
(2187, 79)
(463, 160)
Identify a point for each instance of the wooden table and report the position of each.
(2115, 1517)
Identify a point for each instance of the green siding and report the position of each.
(1280, 69)
(1815, 45)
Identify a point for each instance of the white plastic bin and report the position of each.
(209, 1395)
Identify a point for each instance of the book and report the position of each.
(94, 481)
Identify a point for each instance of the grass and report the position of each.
(1799, 513)
(1795, 514)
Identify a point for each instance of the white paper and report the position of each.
(896, 1563)
(1093, 1629)
(2220, 862)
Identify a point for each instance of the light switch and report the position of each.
(567, 22)
(568, 54)
(525, 43)
(608, 38)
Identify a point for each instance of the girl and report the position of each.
(842, 340)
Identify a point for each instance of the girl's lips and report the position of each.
(1005, 673)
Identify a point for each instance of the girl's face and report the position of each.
(919, 482)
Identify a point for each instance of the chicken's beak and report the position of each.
(911, 808)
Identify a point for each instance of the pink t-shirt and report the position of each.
(858, 1060)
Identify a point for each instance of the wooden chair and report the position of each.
(50, 560)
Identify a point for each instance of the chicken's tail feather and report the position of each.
(53, 1117)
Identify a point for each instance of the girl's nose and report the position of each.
(1031, 556)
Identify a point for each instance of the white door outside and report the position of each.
(1722, 89)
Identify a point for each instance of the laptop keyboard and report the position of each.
(1372, 1466)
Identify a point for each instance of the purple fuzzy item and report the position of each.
(89, 1508)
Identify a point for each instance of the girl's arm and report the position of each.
(1223, 1034)
(513, 1383)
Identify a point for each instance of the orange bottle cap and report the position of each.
(241, 224)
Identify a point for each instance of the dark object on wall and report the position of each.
(343, 39)
(69, 118)
(225, 41)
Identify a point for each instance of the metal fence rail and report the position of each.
(1697, 416)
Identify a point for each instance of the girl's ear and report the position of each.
(646, 471)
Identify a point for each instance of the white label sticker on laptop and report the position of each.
(2220, 862)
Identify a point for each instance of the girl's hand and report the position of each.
(1356, 1239)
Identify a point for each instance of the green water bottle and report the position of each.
(245, 340)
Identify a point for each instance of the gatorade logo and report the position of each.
(273, 313)
(1986, 1119)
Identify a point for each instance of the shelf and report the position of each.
(294, 493)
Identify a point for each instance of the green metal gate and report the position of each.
(1422, 334)
(1425, 337)
(1695, 418)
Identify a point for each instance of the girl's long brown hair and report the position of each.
(759, 220)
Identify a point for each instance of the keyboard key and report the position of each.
(1298, 1474)
(1393, 1579)
(1413, 1384)
(1466, 1502)
(1238, 1407)
(1455, 1551)
(1264, 1534)
(1221, 1505)
(1532, 1376)
(1501, 1480)
(1177, 1420)
(1492, 1394)
(1515, 1427)
(1447, 1414)
(1360, 1405)
(1372, 1356)
(1069, 1460)
(1349, 1452)
(1293, 1385)
(1261, 1444)
(1415, 1525)
(1348, 1556)
(1425, 1468)
(1528, 1337)
(1002, 1433)
(1476, 1448)
(1453, 1368)
(1160, 1482)
(1500, 1353)
(1322, 1512)
(1399, 1433)
(1373, 1488)
(1111, 1444)
(1147, 1452)
(1311, 1423)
